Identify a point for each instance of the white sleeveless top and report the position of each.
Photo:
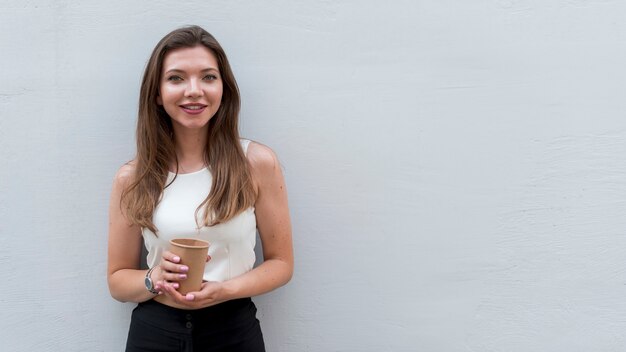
(231, 243)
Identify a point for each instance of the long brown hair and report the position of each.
(232, 190)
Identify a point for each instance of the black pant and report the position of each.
(229, 326)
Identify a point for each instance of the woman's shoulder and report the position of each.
(261, 157)
(125, 173)
(266, 171)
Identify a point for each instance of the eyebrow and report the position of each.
(175, 70)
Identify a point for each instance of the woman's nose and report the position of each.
(193, 88)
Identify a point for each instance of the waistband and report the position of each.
(228, 312)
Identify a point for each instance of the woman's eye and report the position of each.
(210, 77)
(174, 78)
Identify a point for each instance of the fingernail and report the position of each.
(175, 285)
(184, 268)
(182, 276)
(176, 259)
(189, 297)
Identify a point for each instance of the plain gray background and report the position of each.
(455, 168)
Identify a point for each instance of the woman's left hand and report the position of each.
(211, 293)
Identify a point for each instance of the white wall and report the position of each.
(456, 168)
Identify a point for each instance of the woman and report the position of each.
(193, 177)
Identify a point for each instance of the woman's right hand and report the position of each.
(170, 272)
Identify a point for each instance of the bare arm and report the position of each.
(124, 276)
(274, 224)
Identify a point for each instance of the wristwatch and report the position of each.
(148, 282)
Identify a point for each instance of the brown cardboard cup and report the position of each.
(192, 253)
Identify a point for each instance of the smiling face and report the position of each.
(191, 88)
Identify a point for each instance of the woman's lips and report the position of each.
(193, 109)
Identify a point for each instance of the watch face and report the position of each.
(148, 283)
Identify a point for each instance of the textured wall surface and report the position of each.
(456, 168)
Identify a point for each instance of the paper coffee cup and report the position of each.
(192, 253)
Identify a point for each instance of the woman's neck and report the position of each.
(190, 150)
